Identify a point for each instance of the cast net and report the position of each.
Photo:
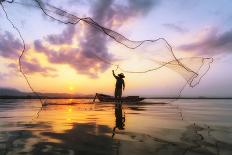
(121, 53)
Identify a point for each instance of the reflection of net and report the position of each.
(188, 68)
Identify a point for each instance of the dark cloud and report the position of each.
(142, 6)
(175, 27)
(109, 10)
(65, 37)
(213, 43)
(100, 10)
(10, 47)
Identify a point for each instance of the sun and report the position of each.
(71, 88)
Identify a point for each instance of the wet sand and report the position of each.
(184, 127)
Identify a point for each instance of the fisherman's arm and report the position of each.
(114, 74)
(123, 84)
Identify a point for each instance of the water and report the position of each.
(191, 127)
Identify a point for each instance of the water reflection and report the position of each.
(120, 118)
(87, 128)
(83, 138)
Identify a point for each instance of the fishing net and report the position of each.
(134, 57)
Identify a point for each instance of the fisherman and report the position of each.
(120, 84)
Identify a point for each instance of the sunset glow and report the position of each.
(60, 58)
(115, 77)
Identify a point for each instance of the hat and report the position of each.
(121, 75)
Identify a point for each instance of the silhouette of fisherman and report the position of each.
(120, 84)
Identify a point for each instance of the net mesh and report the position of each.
(155, 54)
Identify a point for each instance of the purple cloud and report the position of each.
(92, 54)
(10, 47)
(79, 2)
(175, 27)
(65, 37)
(142, 7)
(105, 11)
(39, 47)
(3, 76)
(213, 43)
(32, 67)
(82, 61)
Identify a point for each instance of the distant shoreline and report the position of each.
(92, 97)
(44, 97)
(10, 93)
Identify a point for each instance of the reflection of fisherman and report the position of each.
(120, 119)
(119, 84)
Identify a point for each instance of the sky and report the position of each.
(64, 58)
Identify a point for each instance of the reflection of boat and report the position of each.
(108, 98)
(48, 104)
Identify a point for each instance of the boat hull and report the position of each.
(108, 98)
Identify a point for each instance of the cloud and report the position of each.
(3, 76)
(33, 66)
(105, 12)
(175, 27)
(213, 43)
(10, 47)
(89, 57)
(39, 47)
(79, 2)
(82, 61)
(65, 37)
(142, 6)
(93, 45)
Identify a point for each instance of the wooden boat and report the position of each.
(108, 98)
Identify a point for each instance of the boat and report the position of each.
(108, 98)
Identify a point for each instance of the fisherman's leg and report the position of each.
(116, 96)
(120, 93)
(115, 93)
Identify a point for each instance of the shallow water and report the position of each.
(191, 127)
